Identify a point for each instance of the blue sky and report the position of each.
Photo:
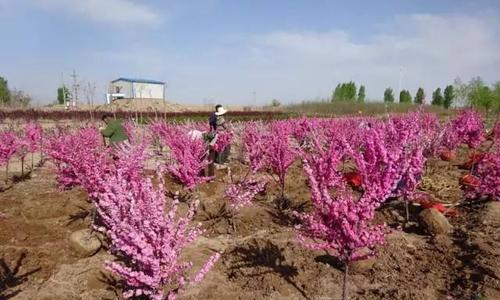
(222, 51)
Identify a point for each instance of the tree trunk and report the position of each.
(407, 210)
(344, 284)
(7, 173)
(473, 162)
(211, 166)
(282, 182)
(41, 148)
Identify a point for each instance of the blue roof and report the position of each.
(138, 80)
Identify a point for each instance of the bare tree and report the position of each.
(89, 91)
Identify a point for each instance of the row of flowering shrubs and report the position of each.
(20, 143)
(84, 115)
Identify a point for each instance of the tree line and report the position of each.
(348, 91)
(438, 98)
(475, 93)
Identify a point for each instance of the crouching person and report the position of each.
(113, 130)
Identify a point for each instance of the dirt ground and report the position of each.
(261, 256)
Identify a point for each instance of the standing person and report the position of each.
(113, 130)
(223, 157)
(212, 120)
(217, 124)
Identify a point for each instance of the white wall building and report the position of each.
(129, 88)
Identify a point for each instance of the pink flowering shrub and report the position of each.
(147, 232)
(71, 151)
(389, 159)
(242, 192)
(470, 127)
(23, 147)
(380, 160)
(254, 144)
(325, 159)
(466, 128)
(33, 132)
(189, 162)
(189, 155)
(130, 159)
(130, 130)
(8, 146)
(280, 153)
(223, 140)
(487, 171)
(340, 223)
(414, 132)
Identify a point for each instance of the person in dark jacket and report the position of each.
(217, 124)
(114, 129)
(212, 120)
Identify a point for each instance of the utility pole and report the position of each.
(76, 86)
(254, 93)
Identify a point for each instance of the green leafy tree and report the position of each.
(437, 97)
(361, 94)
(420, 96)
(480, 95)
(404, 96)
(496, 96)
(337, 93)
(62, 95)
(4, 91)
(351, 91)
(388, 95)
(449, 95)
(345, 92)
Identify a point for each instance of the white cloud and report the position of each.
(119, 12)
(293, 66)
(432, 49)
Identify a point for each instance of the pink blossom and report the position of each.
(243, 192)
(255, 146)
(339, 223)
(33, 133)
(487, 170)
(224, 139)
(72, 152)
(147, 231)
(188, 155)
(280, 153)
(466, 128)
(8, 146)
